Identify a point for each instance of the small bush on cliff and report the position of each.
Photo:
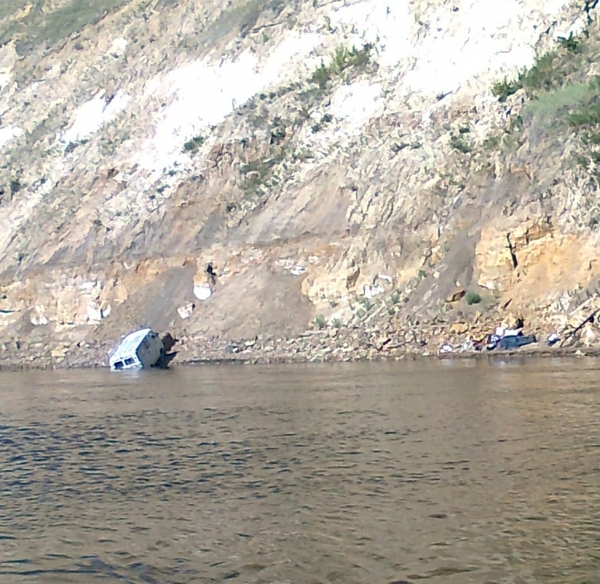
(193, 145)
(460, 144)
(320, 322)
(341, 60)
(571, 43)
(504, 89)
(472, 297)
(366, 302)
(15, 186)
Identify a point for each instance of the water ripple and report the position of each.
(364, 473)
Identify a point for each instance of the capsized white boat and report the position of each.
(139, 350)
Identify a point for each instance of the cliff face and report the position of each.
(343, 164)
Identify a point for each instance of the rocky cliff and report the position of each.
(381, 173)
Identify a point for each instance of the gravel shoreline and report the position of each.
(195, 352)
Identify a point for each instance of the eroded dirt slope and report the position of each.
(344, 165)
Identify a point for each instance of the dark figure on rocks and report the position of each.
(166, 355)
(168, 342)
(210, 270)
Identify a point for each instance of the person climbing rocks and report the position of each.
(210, 270)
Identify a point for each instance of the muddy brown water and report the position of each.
(450, 472)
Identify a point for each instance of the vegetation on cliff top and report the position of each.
(562, 93)
(551, 70)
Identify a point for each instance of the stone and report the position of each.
(456, 296)
(459, 327)
(186, 311)
(202, 291)
(59, 353)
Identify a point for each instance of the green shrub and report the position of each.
(571, 44)
(492, 143)
(472, 297)
(593, 138)
(320, 322)
(341, 60)
(367, 304)
(543, 75)
(581, 160)
(318, 126)
(15, 186)
(550, 70)
(194, 144)
(460, 144)
(505, 88)
(321, 76)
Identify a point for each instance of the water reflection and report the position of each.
(455, 472)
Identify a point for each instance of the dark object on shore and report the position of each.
(169, 342)
(210, 270)
(515, 342)
(589, 319)
(166, 355)
(509, 342)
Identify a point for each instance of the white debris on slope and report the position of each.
(9, 133)
(430, 50)
(389, 26)
(356, 104)
(202, 291)
(118, 47)
(91, 116)
(352, 106)
(440, 49)
(95, 314)
(471, 44)
(205, 92)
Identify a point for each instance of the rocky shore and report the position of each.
(431, 338)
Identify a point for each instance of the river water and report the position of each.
(451, 472)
